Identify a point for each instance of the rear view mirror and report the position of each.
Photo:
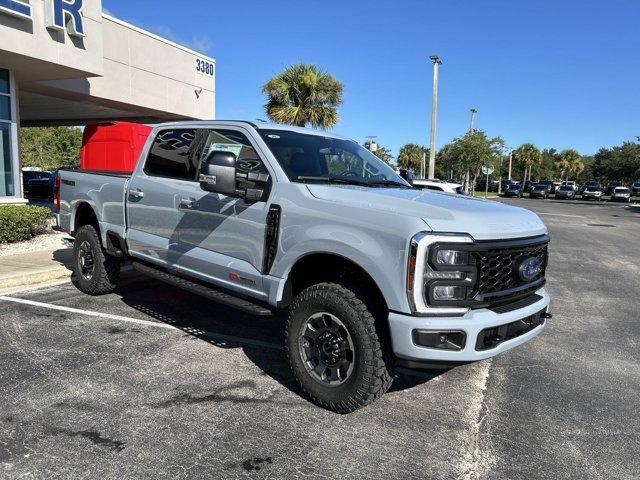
(218, 173)
(407, 176)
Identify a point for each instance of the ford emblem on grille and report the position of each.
(529, 269)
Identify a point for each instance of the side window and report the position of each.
(247, 159)
(175, 154)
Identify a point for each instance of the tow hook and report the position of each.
(546, 316)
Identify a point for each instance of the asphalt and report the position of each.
(151, 382)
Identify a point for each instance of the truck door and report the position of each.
(222, 237)
(154, 195)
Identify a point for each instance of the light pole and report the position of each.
(472, 125)
(510, 161)
(434, 116)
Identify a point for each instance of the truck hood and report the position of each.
(443, 212)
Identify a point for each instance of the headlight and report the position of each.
(439, 275)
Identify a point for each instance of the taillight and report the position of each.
(56, 194)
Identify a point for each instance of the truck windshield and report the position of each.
(316, 158)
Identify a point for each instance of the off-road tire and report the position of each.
(106, 268)
(372, 373)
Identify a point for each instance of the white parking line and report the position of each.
(562, 215)
(90, 313)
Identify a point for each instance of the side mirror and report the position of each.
(407, 176)
(218, 173)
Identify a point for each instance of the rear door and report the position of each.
(154, 194)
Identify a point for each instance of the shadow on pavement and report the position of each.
(259, 337)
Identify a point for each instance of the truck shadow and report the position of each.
(260, 338)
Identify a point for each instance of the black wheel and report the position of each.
(95, 272)
(336, 353)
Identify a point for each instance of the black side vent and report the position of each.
(271, 238)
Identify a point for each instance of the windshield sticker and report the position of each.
(234, 148)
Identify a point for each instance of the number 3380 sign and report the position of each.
(205, 67)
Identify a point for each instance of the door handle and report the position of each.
(136, 193)
(188, 203)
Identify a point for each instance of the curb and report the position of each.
(35, 277)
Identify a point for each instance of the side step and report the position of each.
(208, 292)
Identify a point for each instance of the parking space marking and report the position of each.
(90, 313)
(561, 215)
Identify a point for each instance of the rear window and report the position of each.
(174, 154)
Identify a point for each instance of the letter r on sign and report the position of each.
(65, 14)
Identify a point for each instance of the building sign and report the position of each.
(59, 14)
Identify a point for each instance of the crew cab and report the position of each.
(373, 273)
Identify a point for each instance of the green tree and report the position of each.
(411, 155)
(568, 161)
(465, 156)
(528, 156)
(303, 95)
(619, 163)
(50, 147)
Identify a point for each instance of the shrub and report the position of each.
(18, 222)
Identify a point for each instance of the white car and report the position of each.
(571, 184)
(621, 194)
(439, 186)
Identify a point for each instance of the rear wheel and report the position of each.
(95, 272)
(336, 353)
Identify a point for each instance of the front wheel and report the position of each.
(336, 353)
(95, 272)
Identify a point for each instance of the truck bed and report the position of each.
(104, 191)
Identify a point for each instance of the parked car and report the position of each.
(566, 192)
(592, 193)
(635, 189)
(439, 186)
(265, 217)
(528, 185)
(621, 194)
(481, 186)
(539, 191)
(556, 186)
(571, 184)
(28, 175)
(592, 183)
(42, 187)
(504, 184)
(611, 186)
(514, 190)
(548, 184)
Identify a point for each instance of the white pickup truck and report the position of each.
(373, 272)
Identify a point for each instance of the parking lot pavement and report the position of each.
(151, 382)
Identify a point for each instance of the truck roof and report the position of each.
(257, 125)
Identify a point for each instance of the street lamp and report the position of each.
(472, 125)
(434, 116)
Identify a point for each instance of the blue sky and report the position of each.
(558, 73)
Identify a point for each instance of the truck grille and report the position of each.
(497, 267)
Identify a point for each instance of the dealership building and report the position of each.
(65, 62)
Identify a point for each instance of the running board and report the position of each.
(208, 292)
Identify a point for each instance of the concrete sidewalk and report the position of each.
(35, 267)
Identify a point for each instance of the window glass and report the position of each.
(6, 162)
(4, 81)
(308, 155)
(247, 159)
(175, 154)
(5, 107)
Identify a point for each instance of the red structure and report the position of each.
(113, 147)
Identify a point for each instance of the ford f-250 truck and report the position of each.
(373, 273)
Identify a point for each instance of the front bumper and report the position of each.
(472, 324)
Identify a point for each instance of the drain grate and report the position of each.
(600, 225)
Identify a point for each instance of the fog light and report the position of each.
(442, 292)
(436, 275)
(451, 257)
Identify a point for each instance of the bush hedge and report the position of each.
(18, 222)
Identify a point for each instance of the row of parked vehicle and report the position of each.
(617, 191)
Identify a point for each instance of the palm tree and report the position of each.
(528, 155)
(410, 156)
(567, 161)
(303, 95)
